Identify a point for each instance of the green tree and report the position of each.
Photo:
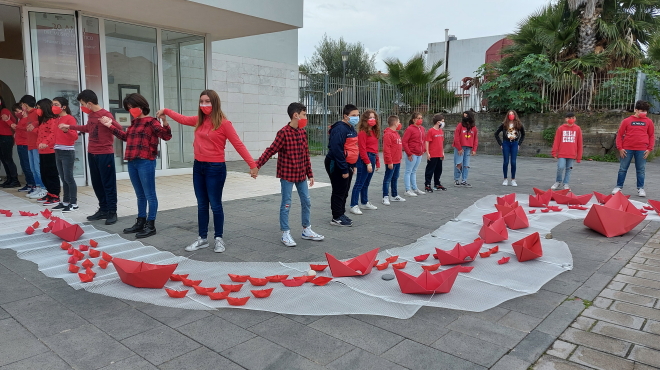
(326, 59)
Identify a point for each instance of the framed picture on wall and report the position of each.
(125, 90)
(115, 104)
(121, 116)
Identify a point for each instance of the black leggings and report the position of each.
(6, 152)
(49, 175)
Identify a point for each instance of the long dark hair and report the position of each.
(64, 103)
(46, 106)
(364, 125)
(2, 103)
(468, 122)
(414, 117)
(517, 125)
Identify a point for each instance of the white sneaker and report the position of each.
(27, 195)
(514, 183)
(40, 193)
(198, 244)
(219, 245)
(419, 192)
(567, 187)
(309, 234)
(287, 239)
(397, 199)
(616, 190)
(386, 200)
(368, 206)
(410, 193)
(506, 182)
(641, 192)
(356, 210)
(555, 186)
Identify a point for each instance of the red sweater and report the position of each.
(368, 144)
(568, 142)
(46, 135)
(21, 134)
(636, 134)
(209, 144)
(66, 138)
(100, 137)
(392, 146)
(464, 137)
(32, 119)
(5, 126)
(413, 140)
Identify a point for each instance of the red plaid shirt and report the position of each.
(142, 138)
(293, 162)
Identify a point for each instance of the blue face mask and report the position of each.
(353, 120)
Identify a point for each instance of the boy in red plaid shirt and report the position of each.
(293, 168)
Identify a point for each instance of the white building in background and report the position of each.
(167, 50)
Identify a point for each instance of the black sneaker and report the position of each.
(464, 183)
(52, 200)
(440, 187)
(59, 206)
(25, 188)
(428, 189)
(44, 199)
(341, 221)
(99, 215)
(69, 208)
(457, 183)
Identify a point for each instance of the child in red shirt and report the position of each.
(435, 153)
(392, 154)
(466, 141)
(566, 148)
(368, 161)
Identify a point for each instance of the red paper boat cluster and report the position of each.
(552, 192)
(203, 291)
(318, 267)
(46, 213)
(399, 265)
(293, 282)
(540, 200)
(176, 294)
(431, 267)
(175, 277)
(460, 253)
(238, 278)
(28, 214)
(66, 231)
(616, 217)
(277, 278)
(237, 301)
(142, 274)
(571, 198)
(654, 205)
(358, 266)
(602, 198)
(427, 283)
(6, 212)
(494, 229)
(219, 295)
(258, 282)
(528, 248)
(321, 280)
(507, 199)
(231, 287)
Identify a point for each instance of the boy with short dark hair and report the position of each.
(566, 148)
(392, 154)
(435, 154)
(293, 168)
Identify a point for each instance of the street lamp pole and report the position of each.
(344, 59)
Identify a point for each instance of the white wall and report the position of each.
(465, 56)
(277, 47)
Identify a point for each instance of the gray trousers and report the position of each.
(65, 160)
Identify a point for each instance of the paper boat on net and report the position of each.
(504, 209)
(540, 200)
(427, 282)
(460, 253)
(66, 231)
(142, 274)
(516, 219)
(358, 266)
(602, 198)
(552, 192)
(528, 248)
(654, 204)
(507, 199)
(616, 217)
(572, 198)
(494, 229)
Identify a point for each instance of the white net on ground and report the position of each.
(486, 286)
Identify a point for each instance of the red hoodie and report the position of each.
(464, 137)
(66, 138)
(636, 134)
(413, 140)
(568, 142)
(32, 119)
(46, 135)
(392, 147)
(368, 144)
(5, 126)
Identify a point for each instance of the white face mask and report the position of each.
(442, 124)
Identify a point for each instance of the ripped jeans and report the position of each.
(305, 203)
(567, 165)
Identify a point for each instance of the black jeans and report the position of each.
(49, 175)
(6, 149)
(433, 169)
(104, 180)
(340, 187)
(65, 160)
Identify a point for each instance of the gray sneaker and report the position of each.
(219, 245)
(198, 244)
(465, 184)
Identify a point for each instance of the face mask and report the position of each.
(641, 114)
(353, 120)
(442, 124)
(371, 122)
(135, 112)
(85, 109)
(57, 110)
(418, 122)
(398, 127)
(571, 121)
(512, 117)
(39, 112)
(302, 122)
(206, 109)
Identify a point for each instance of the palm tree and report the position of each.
(590, 13)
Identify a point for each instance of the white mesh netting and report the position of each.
(486, 286)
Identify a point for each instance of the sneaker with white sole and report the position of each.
(356, 210)
(198, 244)
(457, 183)
(616, 190)
(641, 192)
(465, 184)
(420, 192)
(309, 234)
(555, 186)
(567, 187)
(219, 245)
(506, 182)
(397, 199)
(386, 200)
(341, 221)
(37, 193)
(368, 206)
(514, 183)
(287, 239)
(70, 208)
(25, 188)
(410, 193)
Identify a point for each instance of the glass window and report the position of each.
(131, 55)
(184, 78)
(92, 50)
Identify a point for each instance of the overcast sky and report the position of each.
(402, 28)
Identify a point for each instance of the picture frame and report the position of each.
(115, 104)
(121, 116)
(125, 89)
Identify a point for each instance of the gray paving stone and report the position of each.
(43, 316)
(519, 321)
(638, 281)
(310, 343)
(17, 343)
(649, 292)
(532, 346)
(627, 271)
(172, 317)
(4, 314)
(643, 267)
(652, 327)
(124, 323)
(16, 288)
(614, 317)
(596, 341)
(561, 349)
(600, 360)
(303, 319)
(470, 348)
(160, 345)
(492, 315)
(645, 355)
(363, 360)
(559, 319)
(200, 359)
(85, 304)
(538, 305)
(627, 334)
(628, 297)
(358, 333)
(593, 286)
(633, 309)
(553, 363)
(509, 362)
(215, 333)
(415, 356)
(485, 330)
(616, 285)
(243, 318)
(47, 360)
(583, 323)
(262, 354)
(602, 302)
(131, 363)
(648, 275)
(87, 347)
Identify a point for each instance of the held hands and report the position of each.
(63, 127)
(254, 172)
(164, 121)
(43, 146)
(13, 126)
(105, 121)
(29, 127)
(161, 114)
(5, 117)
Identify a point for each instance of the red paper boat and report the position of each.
(175, 277)
(70, 251)
(46, 213)
(237, 301)
(495, 249)
(617, 217)
(65, 245)
(399, 265)
(83, 247)
(46, 229)
(218, 295)
(293, 282)
(494, 229)
(571, 198)
(464, 269)
(142, 274)
(29, 230)
(552, 192)
(516, 219)
(432, 267)
(74, 268)
(422, 257)
(375, 263)
(427, 283)
(8, 214)
(258, 282)
(392, 259)
(277, 278)
(35, 225)
(503, 260)
(66, 231)
(581, 208)
(531, 211)
(358, 266)
(263, 293)
(108, 257)
(649, 208)
(85, 278)
(460, 253)
(321, 280)
(528, 248)
(382, 266)
(541, 200)
(239, 278)
(318, 267)
(90, 272)
(93, 253)
(484, 254)
(305, 278)
(655, 205)
(93, 243)
(232, 287)
(87, 263)
(507, 199)
(78, 254)
(504, 209)
(175, 293)
(203, 291)
(73, 260)
(103, 264)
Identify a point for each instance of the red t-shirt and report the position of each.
(32, 119)
(5, 126)
(21, 134)
(436, 139)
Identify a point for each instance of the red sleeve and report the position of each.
(8, 114)
(651, 136)
(457, 137)
(620, 133)
(69, 120)
(231, 134)
(161, 131)
(272, 149)
(406, 137)
(579, 144)
(555, 144)
(362, 147)
(387, 149)
(429, 136)
(476, 139)
(184, 120)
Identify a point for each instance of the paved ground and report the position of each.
(46, 324)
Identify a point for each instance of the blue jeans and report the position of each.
(567, 165)
(464, 161)
(509, 149)
(410, 175)
(362, 180)
(143, 177)
(209, 181)
(34, 167)
(640, 167)
(24, 159)
(391, 178)
(305, 203)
